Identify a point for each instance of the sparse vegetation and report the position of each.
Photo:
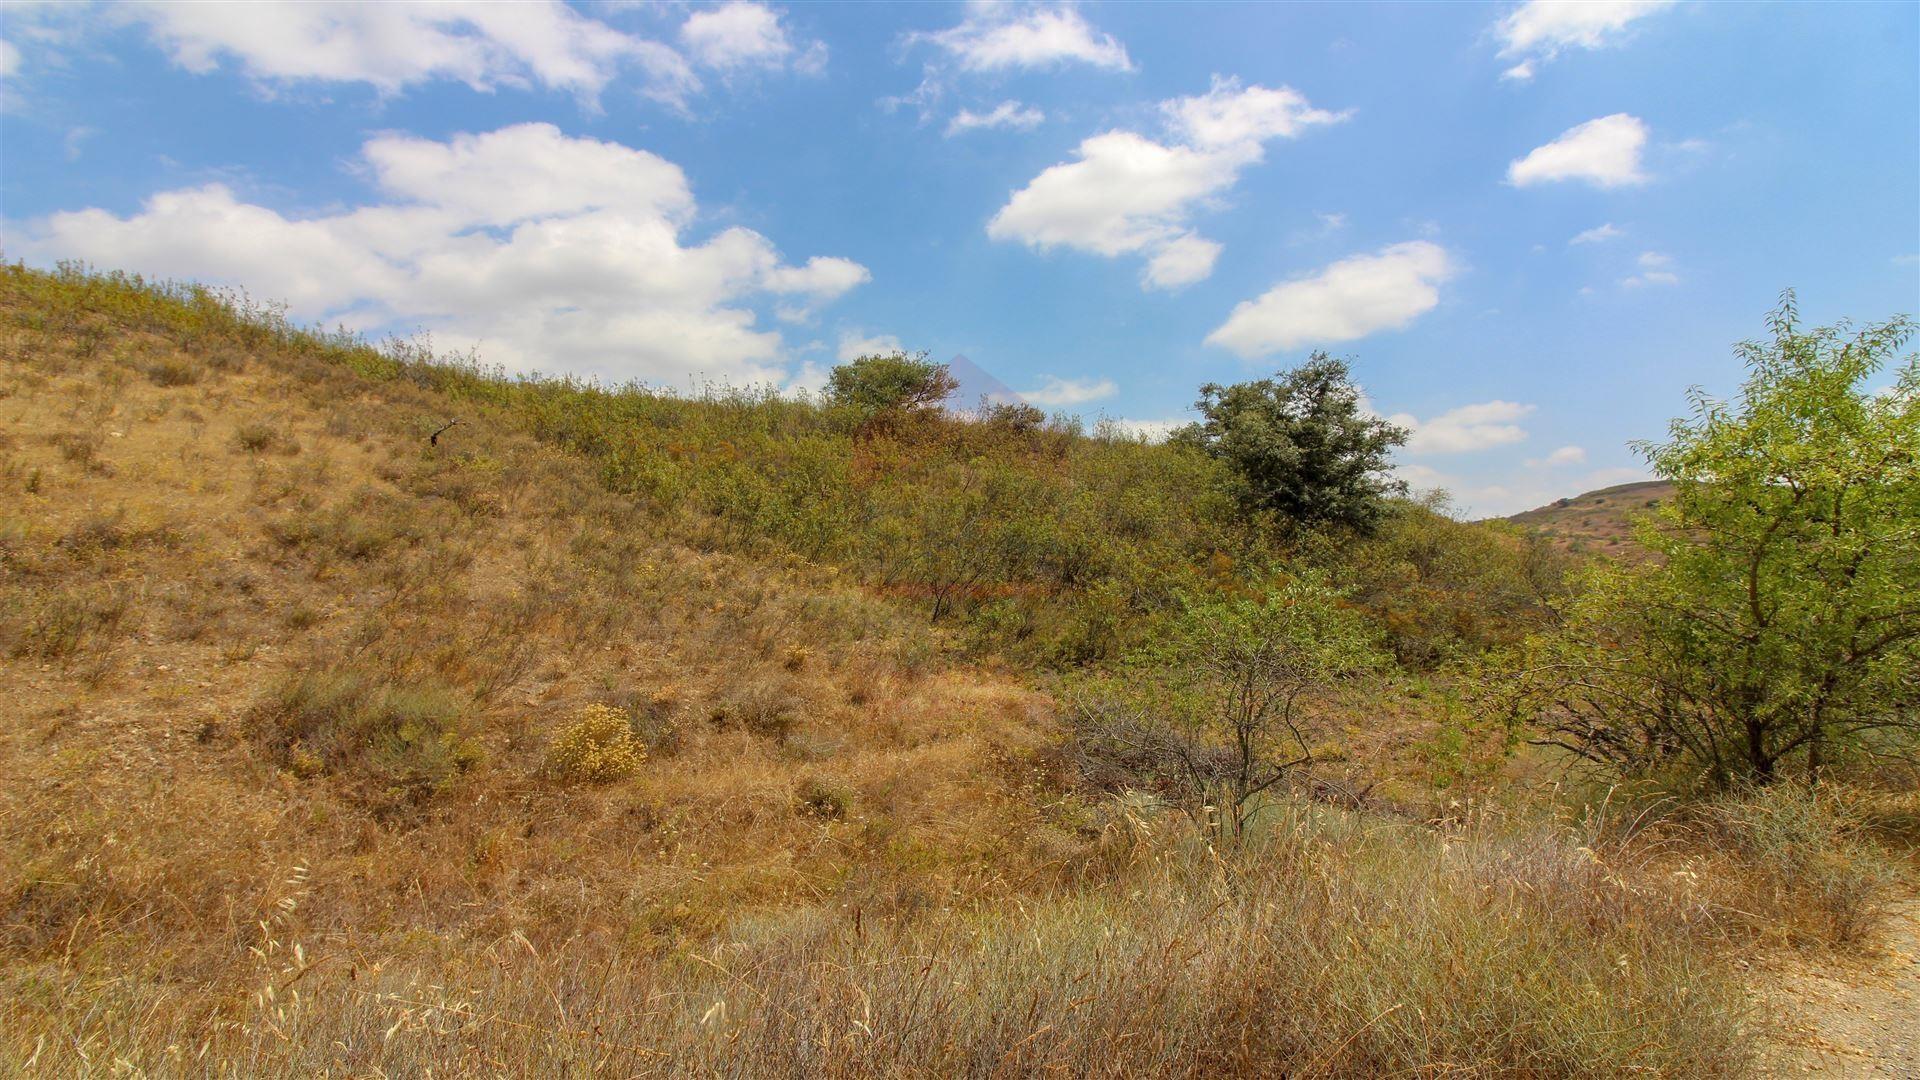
(632, 733)
(404, 740)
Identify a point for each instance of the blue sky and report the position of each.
(1530, 226)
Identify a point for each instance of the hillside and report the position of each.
(605, 731)
(1599, 521)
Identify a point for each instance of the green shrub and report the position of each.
(874, 384)
(407, 741)
(1301, 444)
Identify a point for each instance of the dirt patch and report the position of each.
(1851, 1019)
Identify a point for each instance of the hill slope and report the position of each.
(307, 775)
(1599, 521)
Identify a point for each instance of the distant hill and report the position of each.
(1598, 520)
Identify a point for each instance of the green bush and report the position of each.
(406, 741)
(874, 384)
(1776, 627)
(1301, 445)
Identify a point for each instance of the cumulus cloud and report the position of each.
(855, 344)
(1230, 117)
(398, 44)
(545, 251)
(739, 35)
(1540, 30)
(1346, 300)
(1603, 152)
(1655, 269)
(1002, 37)
(1465, 429)
(1564, 456)
(1597, 234)
(1183, 260)
(1126, 193)
(1055, 392)
(1008, 114)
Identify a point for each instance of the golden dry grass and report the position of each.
(218, 536)
(284, 681)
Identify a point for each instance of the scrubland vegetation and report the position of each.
(617, 732)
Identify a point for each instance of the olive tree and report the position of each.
(1778, 619)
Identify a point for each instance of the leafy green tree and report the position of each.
(890, 383)
(1779, 619)
(1218, 711)
(1301, 444)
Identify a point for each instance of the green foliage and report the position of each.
(1300, 444)
(1444, 590)
(1218, 709)
(1778, 622)
(896, 382)
(405, 741)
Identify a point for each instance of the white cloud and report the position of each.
(1008, 114)
(398, 44)
(1227, 116)
(1056, 392)
(824, 277)
(1181, 261)
(1655, 269)
(1346, 300)
(1541, 29)
(395, 45)
(854, 345)
(1127, 193)
(1603, 152)
(1598, 234)
(9, 59)
(1150, 430)
(810, 379)
(1564, 456)
(1465, 429)
(740, 35)
(545, 251)
(997, 37)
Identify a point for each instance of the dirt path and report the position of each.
(1854, 1019)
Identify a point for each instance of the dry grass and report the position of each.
(284, 684)
(1336, 948)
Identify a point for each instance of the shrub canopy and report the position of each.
(1778, 620)
(1301, 444)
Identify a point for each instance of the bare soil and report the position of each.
(1851, 1019)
